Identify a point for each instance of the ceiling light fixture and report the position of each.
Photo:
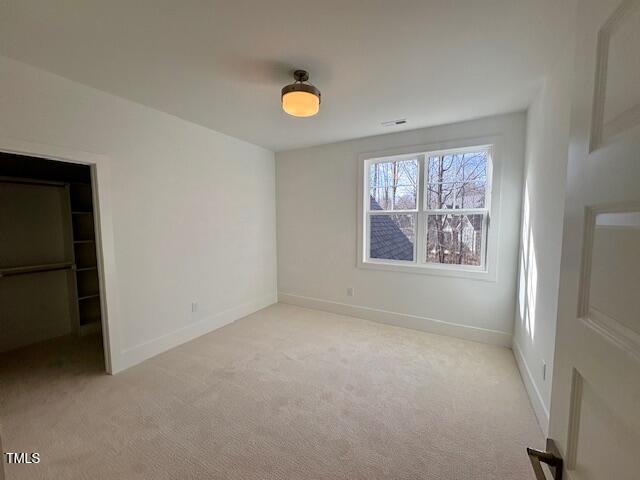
(300, 99)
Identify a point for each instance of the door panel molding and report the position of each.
(614, 331)
(602, 132)
(622, 337)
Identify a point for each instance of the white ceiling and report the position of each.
(221, 64)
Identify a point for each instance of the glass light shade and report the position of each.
(300, 103)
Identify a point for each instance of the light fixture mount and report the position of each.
(301, 75)
(300, 99)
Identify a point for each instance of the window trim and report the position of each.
(488, 270)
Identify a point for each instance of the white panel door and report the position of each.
(595, 405)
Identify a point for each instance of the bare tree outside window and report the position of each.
(394, 185)
(455, 197)
(393, 188)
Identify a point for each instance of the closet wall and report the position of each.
(48, 270)
(34, 228)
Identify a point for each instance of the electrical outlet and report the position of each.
(544, 371)
(194, 307)
(350, 292)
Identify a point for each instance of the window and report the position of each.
(428, 209)
(393, 201)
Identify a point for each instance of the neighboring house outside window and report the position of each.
(428, 209)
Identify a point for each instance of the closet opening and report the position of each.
(50, 274)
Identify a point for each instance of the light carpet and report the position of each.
(285, 393)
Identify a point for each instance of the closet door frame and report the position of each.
(101, 189)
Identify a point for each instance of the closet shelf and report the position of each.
(87, 297)
(85, 269)
(47, 267)
(84, 241)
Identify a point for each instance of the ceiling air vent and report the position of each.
(392, 123)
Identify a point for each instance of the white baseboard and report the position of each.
(144, 351)
(476, 334)
(542, 414)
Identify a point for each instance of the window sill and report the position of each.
(435, 270)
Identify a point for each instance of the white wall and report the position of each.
(193, 210)
(317, 219)
(541, 235)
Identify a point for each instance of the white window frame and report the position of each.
(415, 212)
(487, 269)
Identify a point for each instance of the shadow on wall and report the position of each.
(528, 284)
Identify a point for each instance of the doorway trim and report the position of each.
(101, 189)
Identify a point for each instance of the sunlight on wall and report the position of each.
(528, 282)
